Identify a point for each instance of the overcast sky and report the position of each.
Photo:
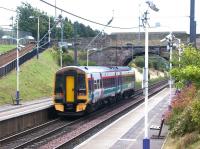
(173, 14)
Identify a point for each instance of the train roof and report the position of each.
(92, 69)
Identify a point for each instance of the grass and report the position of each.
(171, 143)
(196, 145)
(5, 48)
(36, 79)
(180, 143)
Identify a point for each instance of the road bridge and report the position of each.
(122, 55)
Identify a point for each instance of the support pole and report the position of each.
(146, 140)
(49, 39)
(61, 52)
(17, 92)
(170, 77)
(38, 37)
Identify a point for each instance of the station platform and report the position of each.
(10, 111)
(127, 132)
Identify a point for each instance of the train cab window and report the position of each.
(81, 84)
(59, 84)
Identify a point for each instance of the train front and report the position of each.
(70, 91)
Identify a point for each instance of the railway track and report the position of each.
(22, 139)
(68, 133)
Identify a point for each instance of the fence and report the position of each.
(22, 59)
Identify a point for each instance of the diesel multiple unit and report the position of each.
(81, 89)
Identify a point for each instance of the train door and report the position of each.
(70, 88)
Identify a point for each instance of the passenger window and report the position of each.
(81, 84)
(95, 84)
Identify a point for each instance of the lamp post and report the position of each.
(179, 50)
(169, 38)
(38, 33)
(61, 43)
(146, 140)
(49, 31)
(17, 92)
(12, 18)
(17, 59)
(94, 49)
(109, 22)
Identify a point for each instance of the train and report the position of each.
(83, 89)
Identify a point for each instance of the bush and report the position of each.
(188, 139)
(154, 62)
(184, 98)
(181, 124)
(196, 113)
(180, 119)
(67, 60)
(82, 55)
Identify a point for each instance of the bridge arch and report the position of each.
(121, 56)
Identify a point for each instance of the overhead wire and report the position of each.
(88, 20)
(8, 9)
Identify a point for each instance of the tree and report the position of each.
(30, 25)
(189, 70)
(68, 28)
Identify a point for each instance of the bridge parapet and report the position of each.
(119, 56)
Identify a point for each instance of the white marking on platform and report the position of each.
(108, 136)
(132, 140)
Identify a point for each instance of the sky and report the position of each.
(173, 15)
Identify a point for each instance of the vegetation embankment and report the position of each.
(35, 79)
(157, 69)
(184, 117)
(4, 48)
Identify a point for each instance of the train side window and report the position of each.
(90, 85)
(98, 83)
(81, 84)
(95, 84)
(105, 83)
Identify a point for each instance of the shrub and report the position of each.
(188, 139)
(182, 123)
(184, 98)
(67, 60)
(196, 113)
(180, 118)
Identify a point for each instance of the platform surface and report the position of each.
(10, 111)
(127, 132)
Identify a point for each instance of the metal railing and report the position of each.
(5, 69)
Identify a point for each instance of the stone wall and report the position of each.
(122, 39)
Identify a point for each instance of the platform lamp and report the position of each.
(38, 33)
(94, 49)
(109, 22)
(17, 65)
(146, 140)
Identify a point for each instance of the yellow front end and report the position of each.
(71, 93)
(83, 98)
(59, 107)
